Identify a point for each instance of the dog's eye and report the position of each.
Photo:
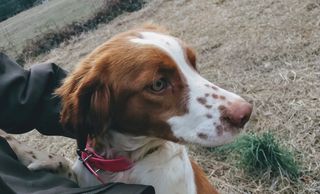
(159, 85)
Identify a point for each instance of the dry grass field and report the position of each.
(266, 51)
(40, 19)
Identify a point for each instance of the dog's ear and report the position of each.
(85, 102)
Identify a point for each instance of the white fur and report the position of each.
(167, 169)
(195, 122)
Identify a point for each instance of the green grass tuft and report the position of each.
(261, 154)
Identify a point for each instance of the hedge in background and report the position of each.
(52, 39)
(9, 8)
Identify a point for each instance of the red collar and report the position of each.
(94, 162)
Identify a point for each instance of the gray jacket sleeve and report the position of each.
(26, 99)
(27, 102)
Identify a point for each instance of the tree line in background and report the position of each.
(9, 8)
(44, 42)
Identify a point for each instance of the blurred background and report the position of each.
(266, 51)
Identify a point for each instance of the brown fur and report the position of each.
(202, 183)
(111, 89)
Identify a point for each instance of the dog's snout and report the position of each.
(238, 113)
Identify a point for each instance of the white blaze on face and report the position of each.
(202, 123)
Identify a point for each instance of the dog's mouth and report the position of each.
(226, 126)
(221, 134)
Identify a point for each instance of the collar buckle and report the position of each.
(85, 162)
(95, 162)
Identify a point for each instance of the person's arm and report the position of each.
(26, 99)
(27, 102)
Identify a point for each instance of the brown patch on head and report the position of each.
(111, 88)
(202, 136)
(148, 111)
(191, 57)
(202, 100)
(85, 99)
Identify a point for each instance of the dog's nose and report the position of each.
(238, 113)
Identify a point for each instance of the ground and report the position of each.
(266, 51)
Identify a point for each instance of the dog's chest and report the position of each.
(168, 170)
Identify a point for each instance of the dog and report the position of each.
(135, 101)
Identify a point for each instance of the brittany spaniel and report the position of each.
(139, 98)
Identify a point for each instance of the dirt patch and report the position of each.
(266, 51)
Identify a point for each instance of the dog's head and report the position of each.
(144, 82)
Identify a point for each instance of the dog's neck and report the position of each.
(152, 155)
(134, 148)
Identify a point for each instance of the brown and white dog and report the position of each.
(140, 96)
